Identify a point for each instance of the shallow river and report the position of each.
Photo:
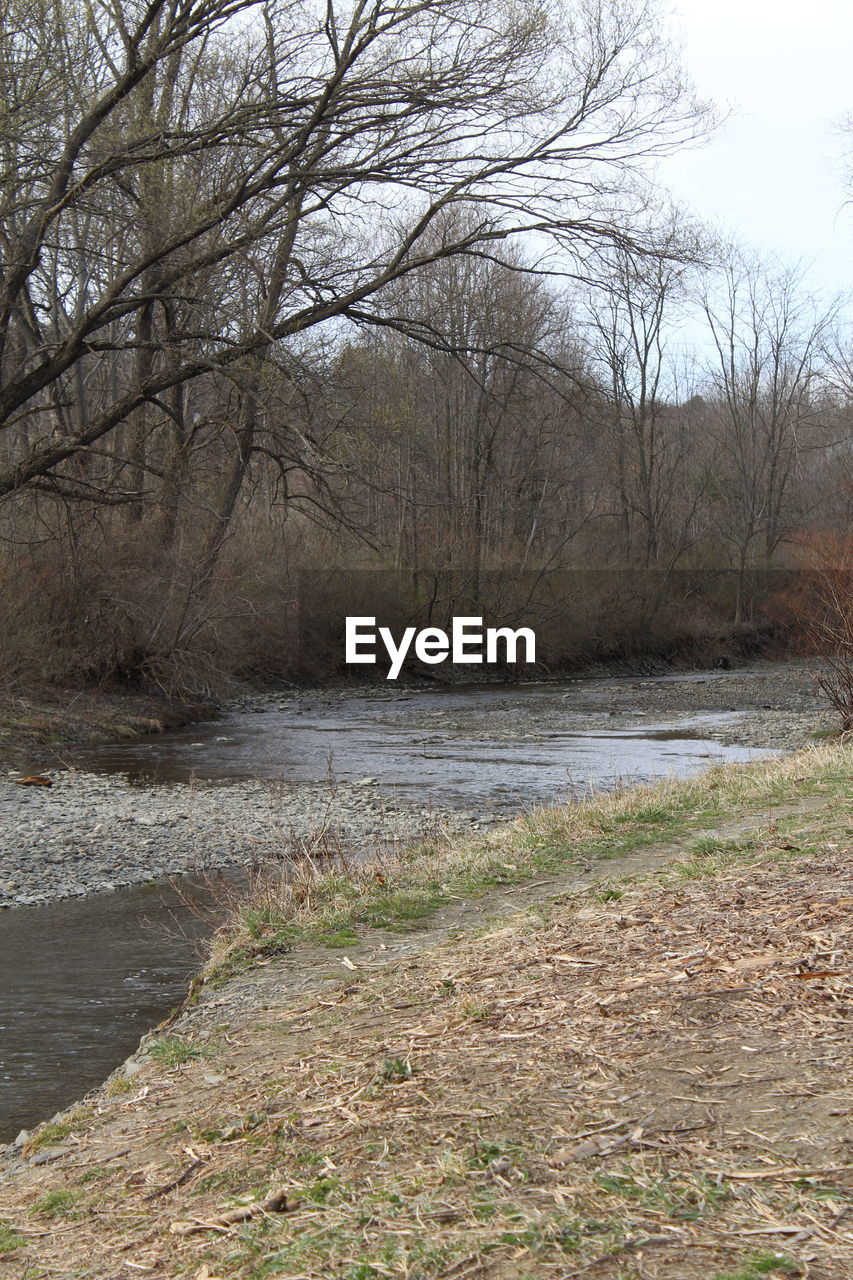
(81, 980)
(466, 748)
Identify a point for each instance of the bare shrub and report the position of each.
(255, 909)
(833, 632)
(98, 602)
(823, 607)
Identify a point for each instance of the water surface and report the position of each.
(82, 980)
(460, 749)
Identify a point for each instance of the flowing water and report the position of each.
(81, 980)
(460, 749)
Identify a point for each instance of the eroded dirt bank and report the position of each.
(38, 727)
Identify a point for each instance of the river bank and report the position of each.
(38, 726)
(94, 832)
(620, 1051)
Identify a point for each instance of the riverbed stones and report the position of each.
(93, 833)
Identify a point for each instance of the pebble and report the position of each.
(145, 833)
(96, 833)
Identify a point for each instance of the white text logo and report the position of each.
(468, 642)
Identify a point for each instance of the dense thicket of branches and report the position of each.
(305, 285)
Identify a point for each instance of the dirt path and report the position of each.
(308, 968)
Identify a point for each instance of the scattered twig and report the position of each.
(182, 1178)
(275, 1202)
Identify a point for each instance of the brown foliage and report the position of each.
(825, 611)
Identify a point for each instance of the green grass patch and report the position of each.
(118, 1086)
(10, 1239)
(761, 1265)
(176, 1051)
(790, 838)
(335, 938)
(681, 1199)
(57, 1204)
(390, 910)
(55, 1131)
(269, 930)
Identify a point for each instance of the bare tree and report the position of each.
(172, 150)
(644, 441)
(767, 335)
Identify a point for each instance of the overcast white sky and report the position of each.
(773, 176)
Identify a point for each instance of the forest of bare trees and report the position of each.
(309, 308)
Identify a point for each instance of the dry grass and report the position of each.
(39, 728)
(652, 1087)
(316, 890)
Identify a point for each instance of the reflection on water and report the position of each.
(450, 750)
